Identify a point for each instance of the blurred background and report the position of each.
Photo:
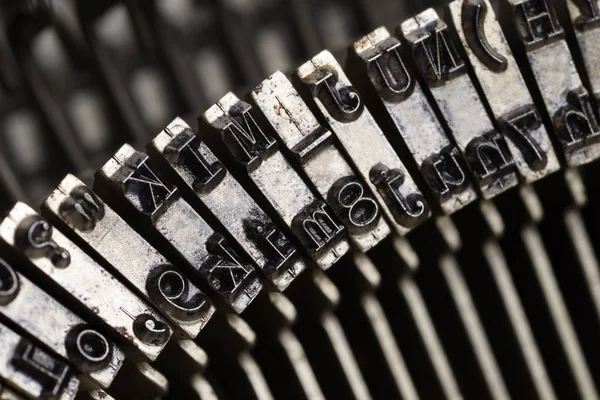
(78, 78)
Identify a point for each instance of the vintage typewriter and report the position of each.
(299, 199)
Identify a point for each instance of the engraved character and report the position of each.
(353, 206)
(276, 248)
(145, 190)
(342, 101)
(246, 139)
(226, 270)
(317, 226)
(489, 157)
(389, 74)
(536, 23)
(518, 127)
(49, 372)
(576, 122)
(408, 209)
(187, 150)
(437, 57)
(445, 173)
(82, 209)
(174, 293)
(473, 21)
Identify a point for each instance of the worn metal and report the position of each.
(440, 65)
(326, 85)
(313, 148)
(58, 329)
(103, 232)
(504, 88)
(206, 178)
(378, 59)
(585, 20)
(130, 177)
(78, 276)
(252, 145)
(567, 101)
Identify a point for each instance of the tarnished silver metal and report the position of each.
(315, 151)
(371, 154)
(27, 306)
(131, 176)
(86, 282)
(440, 64)
(567, 101)
(207, 179)
(97, 226)
(504, 88)
(585, 17)
(378, 59)
(34, 371)
(252, 145)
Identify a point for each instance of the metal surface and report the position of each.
(411, 219)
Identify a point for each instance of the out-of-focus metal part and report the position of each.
(7, 393)
(252, 146)
(378, 60)
(313, 149)
(130, 182)
(76, 276)
(202, 388)
(95, 356)
(32, 370)
(139, 380)
(558, 311)
(330, 355)
(528, 349)
(206, 179)
(293, 373)
(325, 85)
(190, 360)
(573, 116)
(586, 255)
(476, 336)
(585, 20)
(422, 319)
(89, 220)
(229, 349)
(440, 65)
(140, 82)
(504, 87)
(369, 331)
(58, 69)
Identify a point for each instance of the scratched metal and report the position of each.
(566, 99)
(54, 325)
(87, 283)
(445, 72)
(378, 60)
(131, 176)
(504, 87)
(90, 221)
(585, 20)
(314, 150)
(252, 145)
(205, 178)
(326, 85)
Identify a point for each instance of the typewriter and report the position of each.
(299, 199)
